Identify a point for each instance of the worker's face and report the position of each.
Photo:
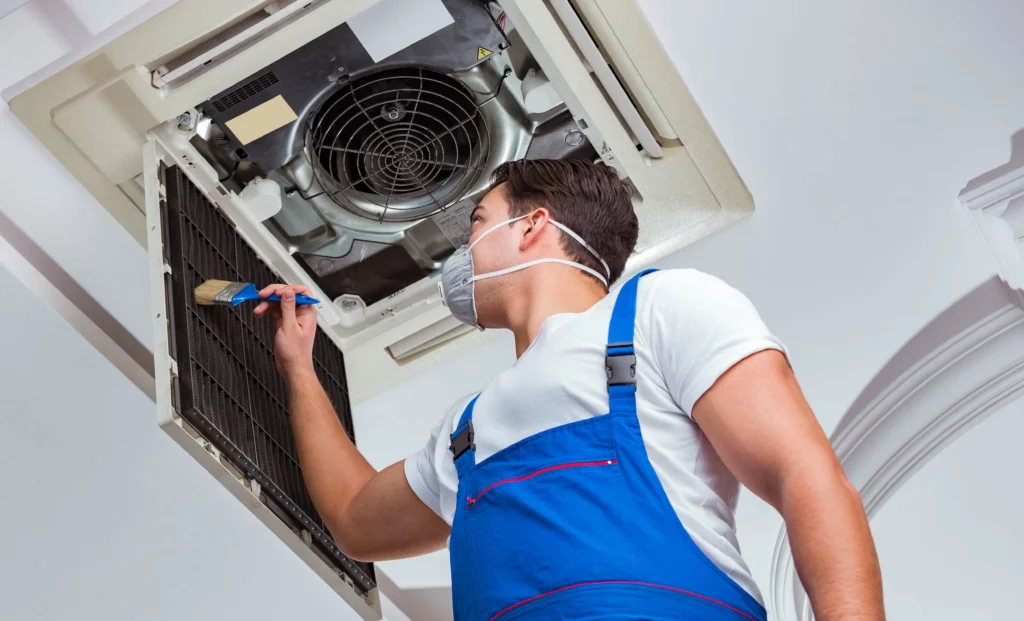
(496, 251)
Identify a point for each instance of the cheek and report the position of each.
(487, 257)
(487, 298)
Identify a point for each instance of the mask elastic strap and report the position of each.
(566, 230)
(589, 248)
(495, 228)
(516, 268)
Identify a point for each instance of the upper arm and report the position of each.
(398, 513)
(723, 366)
(760, 424)
(697, 328)
(392, 520)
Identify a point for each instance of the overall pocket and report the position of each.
(542, 528)
(472, 500)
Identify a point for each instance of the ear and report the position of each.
(536, 224)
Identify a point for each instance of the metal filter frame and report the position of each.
(226, 386)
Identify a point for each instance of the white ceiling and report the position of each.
(854, 125)
(9, 6)
(950, 540)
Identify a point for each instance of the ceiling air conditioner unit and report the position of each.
(342, 144)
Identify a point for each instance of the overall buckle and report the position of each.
(620, 362)
(462, 441)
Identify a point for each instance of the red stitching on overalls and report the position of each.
(470, 501)
(646, 584)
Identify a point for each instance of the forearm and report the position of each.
(832, 545)
(332, 467)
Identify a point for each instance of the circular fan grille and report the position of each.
(398, 145)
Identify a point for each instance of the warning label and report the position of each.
(482, 53)
(454, 222)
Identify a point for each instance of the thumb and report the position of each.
(288, 307)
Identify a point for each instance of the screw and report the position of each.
(348, 304)
(574, 138)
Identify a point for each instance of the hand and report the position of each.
(296, 328)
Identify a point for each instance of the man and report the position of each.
(597, 477)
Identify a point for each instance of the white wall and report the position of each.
(48, 204)
(854, 126)
(103, 516)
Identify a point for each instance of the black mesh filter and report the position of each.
(227, 386)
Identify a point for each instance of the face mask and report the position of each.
(457, 278)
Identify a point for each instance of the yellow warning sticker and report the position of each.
(482, 53)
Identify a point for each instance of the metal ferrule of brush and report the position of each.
(227, 294)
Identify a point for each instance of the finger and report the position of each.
(287, 305)
(305, 314)
(261, 309)
(294, 289)
(300, 289)
(270, 290)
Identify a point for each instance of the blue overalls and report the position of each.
(573, 524)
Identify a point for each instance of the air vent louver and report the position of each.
(245, 91)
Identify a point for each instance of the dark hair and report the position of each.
(588, 198)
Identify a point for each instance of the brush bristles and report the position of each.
(206, 293)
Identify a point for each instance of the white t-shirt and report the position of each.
(690, 329)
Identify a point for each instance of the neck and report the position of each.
(556, 289)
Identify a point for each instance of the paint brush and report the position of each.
(234, 293)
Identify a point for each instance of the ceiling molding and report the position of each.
(964, 365)
(995, 203)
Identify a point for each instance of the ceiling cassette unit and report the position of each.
(342, 144)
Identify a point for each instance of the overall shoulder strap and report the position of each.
(620, 357)
(462, 445)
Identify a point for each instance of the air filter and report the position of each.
(227, 387)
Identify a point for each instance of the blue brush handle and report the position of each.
(249, 293)
(300, 299)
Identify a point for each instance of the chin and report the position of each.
(488, 325)
(488, 321)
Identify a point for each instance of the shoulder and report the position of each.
(696, 312)
(454, 413)
(696, 327)
(688, 292)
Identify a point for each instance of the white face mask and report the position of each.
(457, 278)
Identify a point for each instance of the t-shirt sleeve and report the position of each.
(700, 327)
(421, 474)
(425, 470)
